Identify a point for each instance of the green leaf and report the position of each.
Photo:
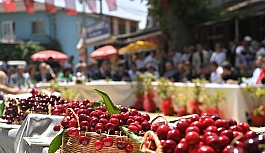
(137, 139)
(56, 142)
(2, 108)
(96, 104)
(111, 108)
(137, 151)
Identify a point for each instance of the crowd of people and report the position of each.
(221, 64)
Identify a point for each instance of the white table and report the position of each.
(235, 106)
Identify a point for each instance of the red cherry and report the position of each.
(212, 141)
(129, 121)
(173, 135)
(192, 138)
(169, 146)
(84, 125)
(93, 121)
(207, 122)
(110, 126)
(108, 142)
(57, 128)
(221, 123)
(133, 128)
(114, 121)
(82, 117)
(154, 127)
(103, 121)
(211, 129)
(236, 128)
(206, 149)
(151, 146)
(99, 127)
(182, 126)
(181, 148)
(73, 123)
(232, 122)
(72, 131)
(245, 127)
(121, 144)
(133, 112)
(194, 118)
(228, 133)
(193, 128)
(124, 116)
(224, 141)
(237, 133)
(65, 121)
(250, 134)
(98, 145)
(145, 125)
(117, 116)
(196, 123)
(128, 148)
(56, 111)
(146, 116)
(84, 140)
(239, 144)
(162, 131)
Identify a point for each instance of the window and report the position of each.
(79, 27)
(8, 29)
(122, 27)
(133, 27)
(37, 27)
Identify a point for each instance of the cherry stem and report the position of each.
(166, 122)
(108, 133)
(149, 145)
(76, 116)
(235, 139)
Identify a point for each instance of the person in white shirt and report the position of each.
(256, 72)
(218, 55)
(215, 74)
(133, 72)
(244, 53)
(258, 48)
(175, 57)
(151, 70)
(200, 57)
(150, 58)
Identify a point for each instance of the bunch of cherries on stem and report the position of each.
(206, 134)
(87, 119)
(17, 109)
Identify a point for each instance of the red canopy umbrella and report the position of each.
(104, 52)
(44, 55)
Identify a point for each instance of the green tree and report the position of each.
(177, 19)
(28, 48)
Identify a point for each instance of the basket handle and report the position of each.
(159, 147)
(159, 116)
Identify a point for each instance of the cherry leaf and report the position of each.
(96, 104)
(111, 108)
(56, 142)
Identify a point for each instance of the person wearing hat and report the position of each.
(245, 54)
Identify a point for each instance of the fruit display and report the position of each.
(96, 126)
(205, 134)
(17, 109)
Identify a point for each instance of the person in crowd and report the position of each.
(19, 79)
(139, 60)
(244, 53)
(199, 58)
(230, 73)
(4, 64)
(189, 73)
(231, 56)
(53, 64)
(93, 67)
(215, 75)
(205, 73)
(151, 58)
(256, 72)
(127, 61)
(103, 72)
(161, 58)
(260, 78)
(218, 55)
(170, 72)
(121, 74)
(66, 75)
(258, 48)
(70, 62)
(133, 72)
(43, 75)
(186, 53)
(152, 70)
(181, 75)
(174, 56)
(32, 71)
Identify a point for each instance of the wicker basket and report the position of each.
(159, 147)
(71, 144)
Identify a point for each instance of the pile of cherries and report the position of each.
(80, 116)
(206, 134)
(17, 109)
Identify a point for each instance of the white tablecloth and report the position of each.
(236, 104)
